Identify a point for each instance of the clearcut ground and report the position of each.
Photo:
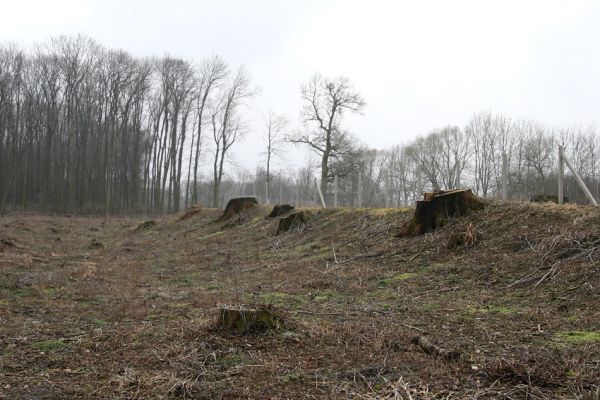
(106, 308)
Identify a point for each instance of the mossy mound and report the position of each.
(294, 221)
(241, 321)
(279, 210)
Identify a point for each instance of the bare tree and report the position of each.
(227, 126)
(482, 134)
(325, 103)
(275, 129)
(213, 72)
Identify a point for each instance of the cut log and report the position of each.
(279, 210)
(437, 207)
(296, 220)
(242, 321)
(236, 206)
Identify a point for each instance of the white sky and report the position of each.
(420, 65)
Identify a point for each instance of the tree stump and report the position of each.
(543, 198)
(236, 206)
(293, 221)
(280, 209)
(437, 207)
(145, 224)
(243, 321)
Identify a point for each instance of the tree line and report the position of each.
(88, 129)
(453, 157)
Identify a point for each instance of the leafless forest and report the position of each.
(88, 129)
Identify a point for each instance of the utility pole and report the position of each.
(281, 192)
(267, 192)
(335, 191)
(387, 191)
(562, 159)
(359, 194)
(561, 173)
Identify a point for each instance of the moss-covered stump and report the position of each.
(279, 210)
(294, 221)
(236, 206)
(543, 198)
(241, 321)
(437, 207)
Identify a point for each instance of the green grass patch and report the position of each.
(213, 286)
(330, 296)
(50, 292)
(98, 321)
(290, 377)
(379, 295)
(396, 278)
(578, 337)
(49, 346)
(211, 235)
(491, 309)
(89, 301)
(281, 298)
(186, 280)
(24, 292)
(230, 361)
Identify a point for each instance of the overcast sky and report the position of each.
(420, 65)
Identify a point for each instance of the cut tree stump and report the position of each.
(146, 224)
(279, 210)
(243, 321)
(236, 206)
(296, 220)
(437, 207)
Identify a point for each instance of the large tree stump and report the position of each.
(279, 210)
(437, 207)
(236, 206)
(296, 220)
(242, 321)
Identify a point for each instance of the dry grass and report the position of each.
(134, 318)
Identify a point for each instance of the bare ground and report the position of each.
(107, 308)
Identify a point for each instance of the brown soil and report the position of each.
(516, 315)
